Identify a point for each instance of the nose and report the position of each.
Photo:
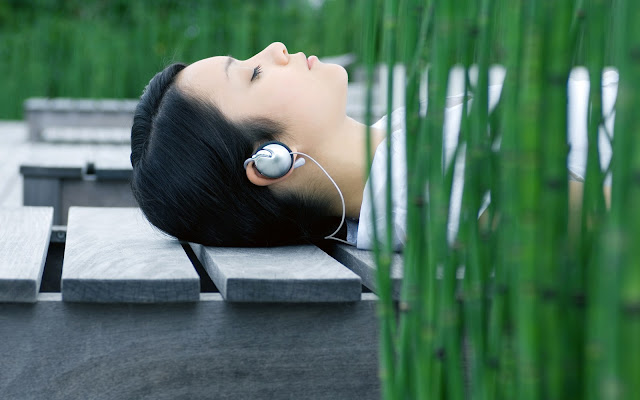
(278, 52)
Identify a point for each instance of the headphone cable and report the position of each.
(341, 199)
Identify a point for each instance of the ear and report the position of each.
(258, 179)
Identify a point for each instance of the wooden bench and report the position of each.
(62, 176)
(62, 119)
(132, 319)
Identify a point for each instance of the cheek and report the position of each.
(315, 98)
(287, 98)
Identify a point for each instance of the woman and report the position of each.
(196, 149)
(196, 125)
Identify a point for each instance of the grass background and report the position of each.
(111, 48)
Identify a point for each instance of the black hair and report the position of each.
(189, 180)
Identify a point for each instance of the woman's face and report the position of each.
(305, 95)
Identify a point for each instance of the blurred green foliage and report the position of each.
(111, 48)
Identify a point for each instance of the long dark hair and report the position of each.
(189, 181)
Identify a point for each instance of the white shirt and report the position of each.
(361, 232)
(378, 178)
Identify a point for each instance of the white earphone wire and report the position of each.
(344, 212)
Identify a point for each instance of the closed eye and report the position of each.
(256, 71)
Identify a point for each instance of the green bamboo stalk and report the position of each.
(575, 272)
(502, 341)
(527, 192)
(474, 134)
(553, 219)
(383, 280)
(576, 33)
(390, 32)
(426, 366)
(389, 26)
(413, 354)
(444, 308)
(598, 243)
(602, 379)
(494, 302)
(384, 263)
(593, 200)
(450, 339)
(623, 260)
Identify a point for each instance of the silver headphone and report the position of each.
(274, 160)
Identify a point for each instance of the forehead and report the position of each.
(204, 75)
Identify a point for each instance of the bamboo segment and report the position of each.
(625, 216)
(385, 306)
(552, 267)
(527, 191)
(601, 324)
(502, 321)
(593, 199)
(445, 308)
(475, 134)
(413, 354)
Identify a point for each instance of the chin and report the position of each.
(336, 82)
(337, 71)
(344, 74)
(341, 78)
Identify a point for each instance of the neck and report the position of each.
(343, 155)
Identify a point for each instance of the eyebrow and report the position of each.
(230, 60)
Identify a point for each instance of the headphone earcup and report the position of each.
(279, 161)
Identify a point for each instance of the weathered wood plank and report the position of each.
(77, 175)
(72, 160)
(93, 193)
(42, 155)
(44, 192)
(115, 255)
(279, 274)
(112, 161)
(42, 113)
(210, 349)
(363, 263)
(13, 148)
(24, 239)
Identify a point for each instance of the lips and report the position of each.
(311, 60)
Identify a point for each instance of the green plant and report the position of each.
(525, 303)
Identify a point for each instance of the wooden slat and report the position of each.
(115, 255)
(13, 149)
(209, 349)
(47, 114)
(93, 193)
(279, 274)
(112, 161)
(24, 240)
(71, 160)
(43, 192)
(362, 262)
(66, 158)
